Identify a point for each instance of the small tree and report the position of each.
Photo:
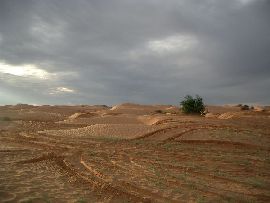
(192, 105)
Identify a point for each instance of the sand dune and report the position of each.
(105, 130)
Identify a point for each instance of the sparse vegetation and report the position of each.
(158, 111)
(192, 105)
(245, 107)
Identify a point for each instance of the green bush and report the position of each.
(192, 105)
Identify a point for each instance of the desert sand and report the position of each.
(134, 153)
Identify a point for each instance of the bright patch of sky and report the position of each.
(61, 90)
(27, 70)
(172, 43)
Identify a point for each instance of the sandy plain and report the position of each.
(133, 153)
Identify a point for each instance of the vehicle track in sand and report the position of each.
(185, 129)
(97, 181)
(176, 163)
(74, 166)
(87, 173)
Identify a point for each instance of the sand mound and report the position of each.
(149, 120)
(106, 130)
(259, 109)
(172, 108)
(227, 115)
(115, 107)
(81, 115)
(128, 108)
(74, 116)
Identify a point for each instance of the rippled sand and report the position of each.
(36, 182)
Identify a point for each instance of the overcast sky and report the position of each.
(142, 51)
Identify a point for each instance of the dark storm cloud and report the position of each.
(96, 51)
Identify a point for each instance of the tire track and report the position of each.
(221, 142)
(187, 129)
(96, 183)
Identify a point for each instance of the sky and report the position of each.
(140, 51)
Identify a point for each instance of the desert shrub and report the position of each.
(192, 105)
(158, 111)
(245, 107)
